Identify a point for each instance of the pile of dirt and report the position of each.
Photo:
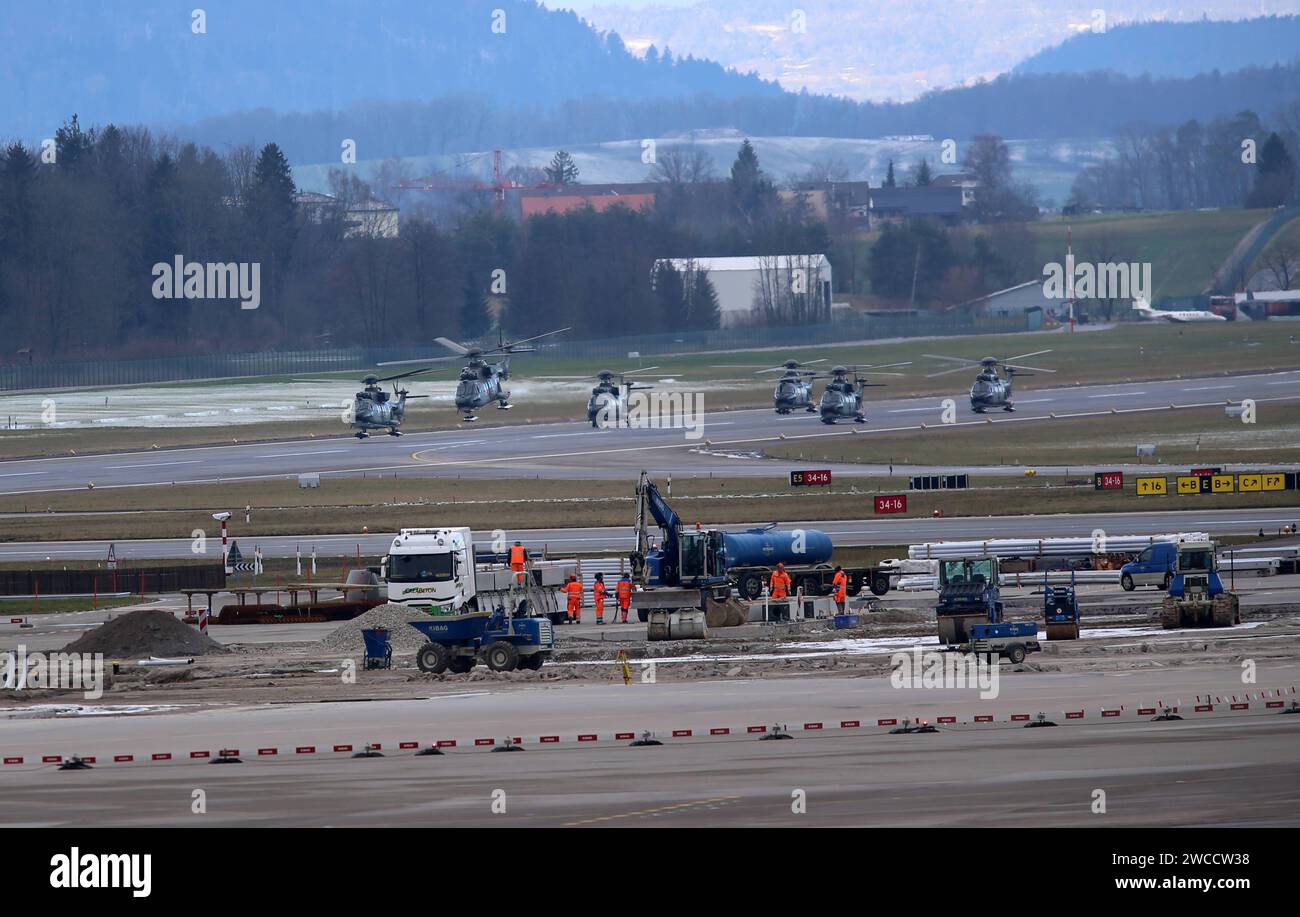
(392, 617)
(144, 633)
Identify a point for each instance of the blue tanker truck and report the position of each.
(709, 558)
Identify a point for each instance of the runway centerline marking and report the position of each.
(1117, 395)
(153, 464)
(295, 454)
(20, 474)
(657, 810)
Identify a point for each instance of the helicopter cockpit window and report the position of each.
(466, 388)
(419, 568)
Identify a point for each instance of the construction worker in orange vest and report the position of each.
(573, 589)
(780, 583)
(840, 584)
(598, 593)
(624, 592)
(518, 557)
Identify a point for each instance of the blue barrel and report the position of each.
(376, 642)
(776, 546)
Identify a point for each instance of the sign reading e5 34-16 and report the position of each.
(810, 478)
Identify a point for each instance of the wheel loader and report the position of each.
(1196, 596)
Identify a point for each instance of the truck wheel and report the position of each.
(643, 615)
(433, 657)
(533, 661)
(461, 664)
(750, 586)
(811, 585)
(501, 656)
(1016, 653)
(879, 584)
(1126, 582)
(1169, 578)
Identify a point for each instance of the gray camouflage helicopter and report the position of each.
(843, 395)
(480, 381)
(608, 404)
(374, 409)
(795, 387)
(991, 390)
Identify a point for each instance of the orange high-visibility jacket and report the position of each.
(841, 584)
(780, 584)
(624, 591)
(598, 590)
(517, 556)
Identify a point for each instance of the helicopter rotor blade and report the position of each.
(507, 346)
(423, 360)
(935, 356)
(945, 372)
(1019, 366)
(1022, 356)
(632, 372)
(413, 372)
(453, 346)
(886, 366)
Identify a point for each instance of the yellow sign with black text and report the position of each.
(1272, 480)
(1189, 484)
(1150, 487)
(1247, 483)
(1222, 484)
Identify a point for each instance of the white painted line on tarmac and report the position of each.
(295, 454)
(1117, 395)
(1285, 382)
(19, 474)
(1206, 388)
(156, 464)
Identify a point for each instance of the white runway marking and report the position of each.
(1117, 395)
(294, 454)
(19, 474)
(156, 464)
(1206, 388)
(1285, 382)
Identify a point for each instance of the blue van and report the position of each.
(1153, 567)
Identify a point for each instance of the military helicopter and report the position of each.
(794, 388)
(374, 409)
(480, 381)
(843, 396)
(989, 389)
(609, 399)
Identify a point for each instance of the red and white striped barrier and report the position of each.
(1264, 700)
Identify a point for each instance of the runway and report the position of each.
(725, 443)
(999, 774)
(845, 533)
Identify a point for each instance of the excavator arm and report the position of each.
(651, 502)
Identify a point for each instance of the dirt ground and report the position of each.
(1114, 638)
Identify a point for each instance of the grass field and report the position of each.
(1184, 247)
(14, 607)
(349, 505)
(1188, 435)
(1130, 352)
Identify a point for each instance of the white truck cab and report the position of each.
(435, 568)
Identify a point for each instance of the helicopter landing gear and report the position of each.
(469, 418)
(811, 409)
(361, 434)
(1009, 407)
(859, 418)
(393, 431)
(504, 405)
(828, 420)
(977, 410)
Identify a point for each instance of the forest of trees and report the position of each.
(79, 238)
(1228, 162)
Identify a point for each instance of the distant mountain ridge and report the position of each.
(139, 61)
(1177, 49)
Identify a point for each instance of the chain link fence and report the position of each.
(47, 376)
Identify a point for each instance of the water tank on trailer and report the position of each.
(767, 548)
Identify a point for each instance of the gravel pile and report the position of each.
(143, 633)
(392, 616)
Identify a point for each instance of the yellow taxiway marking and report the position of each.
(655, 811)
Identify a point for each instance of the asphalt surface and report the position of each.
(1213, 769)
(728, 442)
(561, 541)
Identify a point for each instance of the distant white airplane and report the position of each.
(1145, 312)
